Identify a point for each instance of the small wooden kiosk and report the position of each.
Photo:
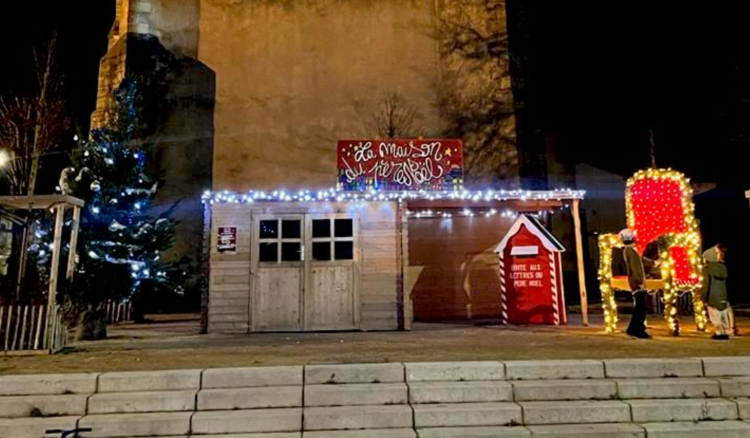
(333, 260)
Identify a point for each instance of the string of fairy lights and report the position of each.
(337, 195)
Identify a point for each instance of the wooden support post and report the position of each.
(73, 242)
(55, 268)
(400, 266)
(56, 250)
(581, 267)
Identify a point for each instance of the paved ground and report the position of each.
(174, 343)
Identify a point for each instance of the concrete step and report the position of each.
(726, 366)
(376, 433)
(554, 369)
(137, 425)
(656, 411)
(355, 373)
(43, 406)
(553, 390)
(653, 368)
(252, 377)
(708, 429)
(467, 414)
(668, 388)
(34, 427)
(148, 381)
(142, 402)
(52, 384)
(743, 404)
(474, 432)
(358, 417)
(735, 387)
(575, 412)
(356, 395)
(623, 430)
(454, 371)
(248, 421)
(250, 398)
(460, 392)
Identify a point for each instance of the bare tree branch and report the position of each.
(476, 98)
(394, 118)
(32, 125)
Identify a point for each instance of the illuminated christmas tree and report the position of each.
(120, 245)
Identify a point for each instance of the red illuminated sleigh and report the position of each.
(660, 208)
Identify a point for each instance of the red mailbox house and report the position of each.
(531, 287)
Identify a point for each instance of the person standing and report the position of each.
(637, 281)
(714, 291)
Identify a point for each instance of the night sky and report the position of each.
(82, 27)
(606, 72)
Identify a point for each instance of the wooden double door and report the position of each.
(305, 272)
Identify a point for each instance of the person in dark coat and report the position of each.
(637, 280)
(714, 291)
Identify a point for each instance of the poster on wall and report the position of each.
(400, 164)
(227, 240)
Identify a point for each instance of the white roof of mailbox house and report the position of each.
(536, 228)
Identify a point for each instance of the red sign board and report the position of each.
(400, 164)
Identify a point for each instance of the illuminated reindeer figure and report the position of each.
(659, 204)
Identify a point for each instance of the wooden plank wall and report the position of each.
(379, 266)
(229, 281)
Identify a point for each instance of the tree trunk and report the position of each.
(93, 326)
(139, 308)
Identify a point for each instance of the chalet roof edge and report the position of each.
(336, 195)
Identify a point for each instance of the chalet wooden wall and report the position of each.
(229, 286)
(377, 270)
(455, 266)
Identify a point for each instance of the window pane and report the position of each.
(344, 250)
(321, 251)
(344, 227)
(291, 252)
(291, 229)
(268, 252)
(321, 228)
(269, 229)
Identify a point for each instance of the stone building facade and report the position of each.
(254, 94)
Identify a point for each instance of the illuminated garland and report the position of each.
(652, 199)
(607, 242)
(335, 195)
(673, 285)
